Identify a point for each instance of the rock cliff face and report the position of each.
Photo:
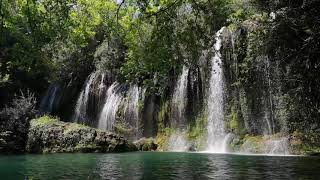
(48, 135)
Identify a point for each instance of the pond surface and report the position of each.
(158, 165)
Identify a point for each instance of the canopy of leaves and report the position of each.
(51, 39)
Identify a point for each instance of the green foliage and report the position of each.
(148, 42)
(52, 40)
(304, 143)
(233, 121)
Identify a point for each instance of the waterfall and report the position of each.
(48, 101)
(279, 145)
(268, 105)
(179, 99)
(131, 109)
(215, 125)
(177, 141)
(82, 103)
(108, 114)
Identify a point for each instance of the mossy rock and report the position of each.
(49, 135)
(146, 144)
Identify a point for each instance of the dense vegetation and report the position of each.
(147, 42)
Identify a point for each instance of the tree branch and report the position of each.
(118, 10)
(163, 9)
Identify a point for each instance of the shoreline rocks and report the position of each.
(146, 144)
(47, 135)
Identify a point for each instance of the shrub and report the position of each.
(14, 121)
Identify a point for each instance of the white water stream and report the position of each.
(216, 131)
(110, 108)
(82, 103)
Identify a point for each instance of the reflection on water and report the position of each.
(153, 165)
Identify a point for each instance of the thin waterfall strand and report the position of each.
(132, 109)
(180, 98)
(108, 114)
(47, 103)
(82, 103)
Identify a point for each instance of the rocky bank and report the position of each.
(48, 135)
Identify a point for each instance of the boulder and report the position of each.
(47, 135)
(146, 144)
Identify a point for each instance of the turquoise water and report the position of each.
(156, 165)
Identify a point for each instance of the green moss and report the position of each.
(85, 148)
(162, 139)
(140, 105)
(44, 120)
(74, 127)
(122, 129)
(196, 131)
(232, 120)
(254, 144)
(146, 144)
(48, 120)
(164, 109)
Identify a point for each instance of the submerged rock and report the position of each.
(146, 144)
(48, 135)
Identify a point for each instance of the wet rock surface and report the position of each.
(146, 144)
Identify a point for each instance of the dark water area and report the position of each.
(157, 165)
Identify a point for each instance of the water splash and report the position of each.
(108, 114)
(80, 114)
(267, 144)
(180, 99)
(177, 142)
(216, 130)
(277, 146)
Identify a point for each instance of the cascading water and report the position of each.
(132, 109)
(267, 124)
(177, 141)
(48, 101)
(179, 100)
(108, 114)
(279, 145)
(215, 126)
(82, 103)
